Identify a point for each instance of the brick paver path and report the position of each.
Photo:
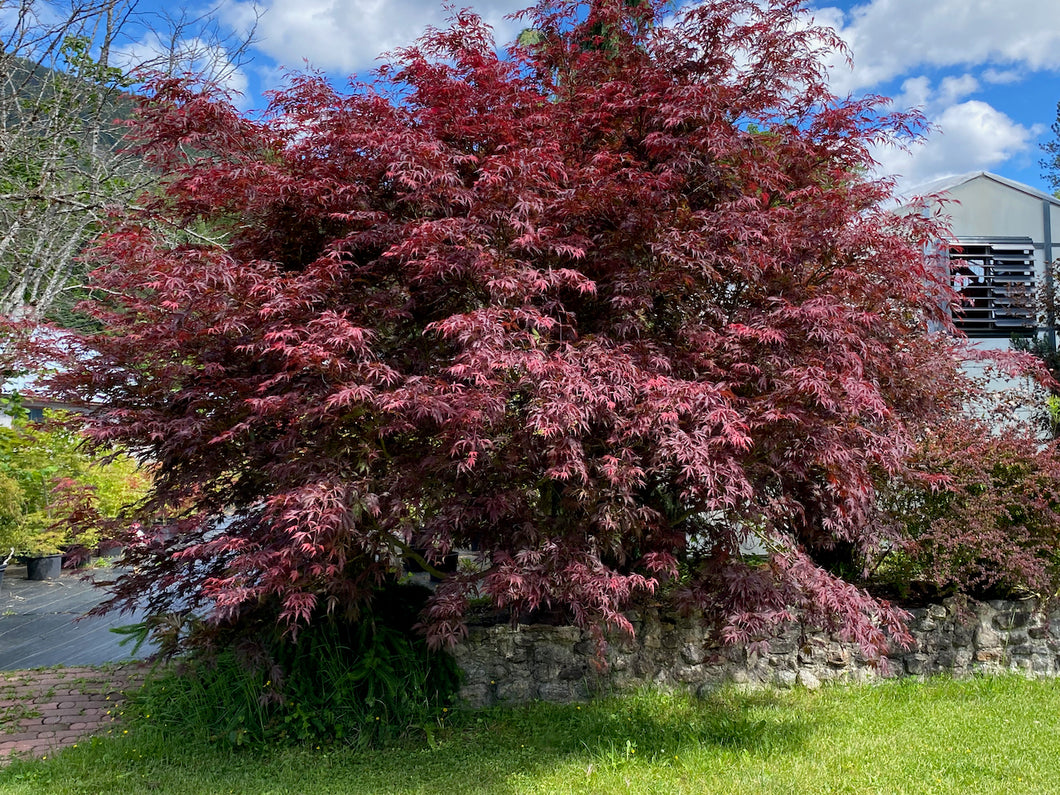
(47, 709)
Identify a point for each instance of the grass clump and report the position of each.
(358, 682)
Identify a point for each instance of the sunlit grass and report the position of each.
(975, 736)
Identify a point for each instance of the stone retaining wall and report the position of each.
(505, 664)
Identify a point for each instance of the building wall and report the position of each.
(983, 207)
(986, 207)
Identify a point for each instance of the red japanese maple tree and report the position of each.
(610, 308)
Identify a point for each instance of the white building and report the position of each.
(1004, 233)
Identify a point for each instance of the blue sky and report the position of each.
(985, 72)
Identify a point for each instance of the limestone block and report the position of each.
(643, 666)
(1038, 628)
(587, 647)
(687, 674)
(987, 637)
(651, 642)
(1020, 664)
(515, 691)
(557, 692)
(809, 652)
(782, 646)
(837, 655)
(573, 672)
(1016, 638)
(740, 676)
(786, 679)
(963, 633)
(692, 653)
(476, 695)
(732, 654)
(1011, 618)
(917, 664)
(1042, 665)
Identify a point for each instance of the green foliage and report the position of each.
(54, 493)
(77, 54)
(10, 515)
(360, 683)
(981, 518)
(1052, 411)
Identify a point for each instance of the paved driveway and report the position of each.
(39, 627)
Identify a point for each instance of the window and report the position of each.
(36, 415)
(995, 277)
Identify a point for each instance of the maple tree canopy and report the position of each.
(611, 308)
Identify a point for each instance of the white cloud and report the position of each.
(889, 38)
(971, 136)
(917, 92)
(1002, 76)
(348, 35)
(954, 88)
(972, 43)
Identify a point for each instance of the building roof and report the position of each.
(949, 183)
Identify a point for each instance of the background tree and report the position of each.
(1051, 162)
(609, 315)
(66, 76)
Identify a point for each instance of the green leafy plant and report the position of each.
(10, 515)
(1052, 413)
(53, 493)
(358, 682)
(981, 517)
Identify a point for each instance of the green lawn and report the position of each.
(978, 736)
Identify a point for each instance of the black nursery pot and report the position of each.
(45, 567)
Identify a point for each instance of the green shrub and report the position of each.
(53, 492)
(356, 682)
(981, 516)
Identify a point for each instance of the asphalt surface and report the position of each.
(41, 622)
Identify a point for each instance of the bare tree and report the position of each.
(67, 76)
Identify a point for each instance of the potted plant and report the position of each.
(42, 548)
(3, 566)
(33, 513)
(57, 494)
(10, 519)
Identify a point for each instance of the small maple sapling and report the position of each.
(605, 314)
